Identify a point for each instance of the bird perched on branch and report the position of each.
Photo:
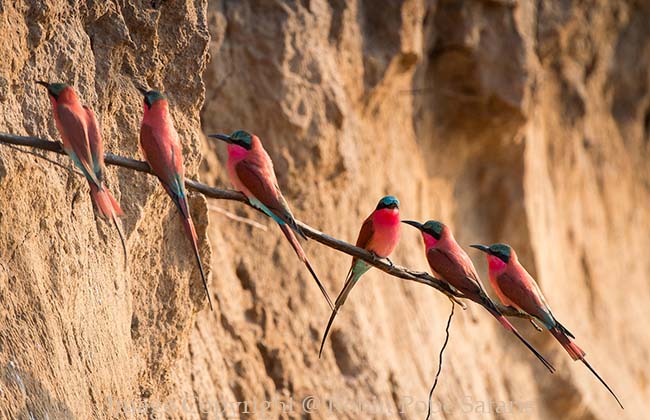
(449, 262)
(379, 235)
(517, 288)
(82, 141)
(162, 150)
(251, 171)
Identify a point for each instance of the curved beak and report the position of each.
(483, 248)
(223, 137)
(142, 90)
(413, 223)
(42, 83)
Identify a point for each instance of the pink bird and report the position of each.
(162, 150)
(379, 234)
(251, 171)
(449, 262)
(517, 288)
(82, 141)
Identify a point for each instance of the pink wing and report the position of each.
(95, 141)
(260, 181)
(454, 269)
(166, 161)
(366, 233)
(162, 154)
(365, 236)
(520, 288)
(75, 133)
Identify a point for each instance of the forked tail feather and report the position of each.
(286, 229)
(191, 232)
(489, 305)
(109, 208)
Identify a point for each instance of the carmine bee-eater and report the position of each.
(82, 141)
(517, 288)
(162, 150)
(251, 171)
(379, 234)
(451, 263)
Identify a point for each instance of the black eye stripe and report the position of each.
(243, 144)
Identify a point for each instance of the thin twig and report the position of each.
(442, 350)
(318, 236)
(236, 218)
(53, 162)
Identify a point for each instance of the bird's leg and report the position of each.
(537, 327)
(453, 293)
(377, 258)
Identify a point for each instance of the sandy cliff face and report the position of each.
(531, 127)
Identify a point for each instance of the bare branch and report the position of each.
(53, 162)
(318, 236)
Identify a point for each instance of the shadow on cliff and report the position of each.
(468, 120)
(32, 399)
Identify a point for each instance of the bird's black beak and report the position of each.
(140, 87)
(223, 137)
(483, 248)
(47, 86)
(413, 223)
